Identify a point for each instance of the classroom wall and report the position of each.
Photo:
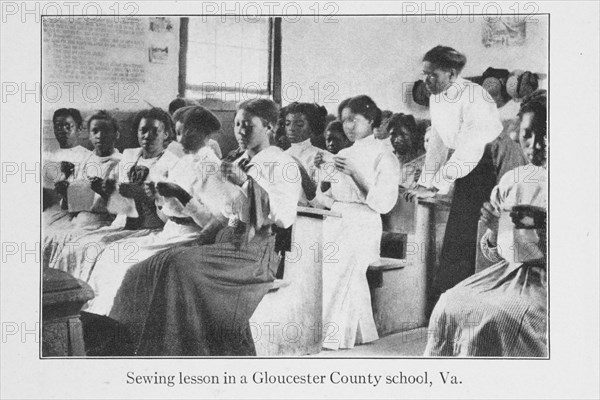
(381, 56)
(117, 64)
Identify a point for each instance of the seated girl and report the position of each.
(365, 185)
(335, 138)
(304, 121)
(190, 196)
(87, 208)
(502, 310)
(138, 167)
(197, 300)
(175, 147)
(408, 147)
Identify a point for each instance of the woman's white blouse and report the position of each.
(381, 169)
(464, 118)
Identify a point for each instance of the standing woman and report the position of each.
(197, 300)
(463, 120)
(364, 186)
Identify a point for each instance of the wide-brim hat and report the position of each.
(521, 83)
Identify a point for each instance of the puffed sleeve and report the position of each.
(283, 199)
(212, 196)
(480, 125)
(383, 194)
(436, 156)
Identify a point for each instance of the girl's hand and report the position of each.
(169, 189)
(319, 159)
(67, 168)
(61, 187)
(233, 173)
(489, 216)
(132, 191)
(345, 165)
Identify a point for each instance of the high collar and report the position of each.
(302, 145)
(366, 141)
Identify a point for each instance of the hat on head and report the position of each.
(420, 93)
(521, 83)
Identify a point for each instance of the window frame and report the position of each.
(273, 63)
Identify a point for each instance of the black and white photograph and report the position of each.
(300, 200)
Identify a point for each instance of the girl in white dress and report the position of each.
(364, 186)
(190, 196)
(87, 209)
(138, 167)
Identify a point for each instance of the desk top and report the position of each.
(316, 212)
(440, 201)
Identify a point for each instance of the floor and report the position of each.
(403, 344)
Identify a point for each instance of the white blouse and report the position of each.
(51, 161)
(277, 174)
(463, 118)
(379, 166)
(305, 153)
(212, 196)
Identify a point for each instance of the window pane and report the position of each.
(233, 53)
(201, 66)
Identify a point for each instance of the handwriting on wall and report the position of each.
(95, 50)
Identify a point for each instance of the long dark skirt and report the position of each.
(457, 258)
(197, 300)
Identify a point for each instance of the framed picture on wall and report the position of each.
(503, 32)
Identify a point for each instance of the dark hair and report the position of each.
(200, 122)
(409, 122)
(158, 114)
(199, 119)
(68, 112)
(264, 109)
(536, 103)
(106, 116)
(178, 115)
(181, 102)
(315, 114)
(446, 58)
(335, 126)
(341, 107)
(366, 107)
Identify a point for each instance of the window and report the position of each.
(230, 60)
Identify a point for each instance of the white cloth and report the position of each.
(212, 196)
(465, 119)
(305, 153)
(100, 167)
(51, 163)
(347, 313)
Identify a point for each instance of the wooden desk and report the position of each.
(62, 299)
(288, 321)
(431, 215)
